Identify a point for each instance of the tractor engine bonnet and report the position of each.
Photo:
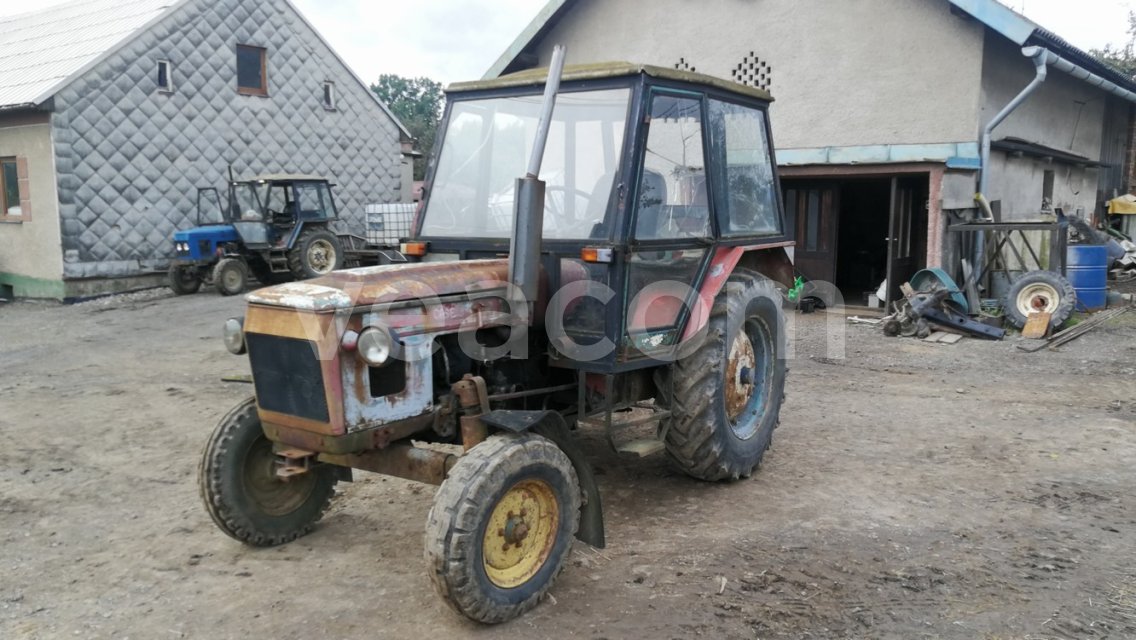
(370, 286)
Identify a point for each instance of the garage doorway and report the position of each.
(857, 232)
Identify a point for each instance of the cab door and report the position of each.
(671, 226)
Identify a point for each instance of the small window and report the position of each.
(252, 74)
(165, 80)
(10, 189)
(329, 96)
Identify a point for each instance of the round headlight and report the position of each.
(234, 336)
(374, 346)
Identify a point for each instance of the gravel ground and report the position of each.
(913, 491)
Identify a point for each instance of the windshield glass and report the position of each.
(487, 146)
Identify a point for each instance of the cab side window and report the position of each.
(750, 204)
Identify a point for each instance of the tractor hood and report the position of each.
(214, 232)
(385, 284)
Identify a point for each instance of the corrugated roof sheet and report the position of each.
(40, 50)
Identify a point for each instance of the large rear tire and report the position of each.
(502, 525)
(242, 492)
(725, 396)
(317, 253)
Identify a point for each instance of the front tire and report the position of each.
(502, 525)
(317, 253)
(183, 279)
(230, 276)
(725, 397)
(242, 492)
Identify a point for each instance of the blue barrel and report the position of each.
(1087, 269)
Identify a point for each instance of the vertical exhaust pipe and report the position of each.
(528, 205)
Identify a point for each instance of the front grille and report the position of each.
(287, 376)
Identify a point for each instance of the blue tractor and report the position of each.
(274, 227)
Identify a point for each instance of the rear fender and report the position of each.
(551, 425)
(770, 261)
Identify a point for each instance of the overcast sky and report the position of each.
(450, 40)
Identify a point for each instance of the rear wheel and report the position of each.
(317, 253)
(242, 492)
(502, 525)
(183, 279)
(230, 276)
(725, 397)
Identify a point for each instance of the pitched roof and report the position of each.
(992, 14)
(40, 51)
(43, 50)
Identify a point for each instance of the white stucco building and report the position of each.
(113, 113)
(879, 113)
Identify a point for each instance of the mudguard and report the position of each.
(551, 425)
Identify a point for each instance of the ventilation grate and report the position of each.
(754, 72)
(684, 65)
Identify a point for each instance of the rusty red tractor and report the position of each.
(627, 283)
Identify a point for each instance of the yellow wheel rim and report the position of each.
(520, 533)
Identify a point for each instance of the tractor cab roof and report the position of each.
(286, 177)
(604, 70)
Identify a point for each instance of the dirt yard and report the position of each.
(913, 491)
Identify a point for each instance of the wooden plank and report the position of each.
(936, 336)
(1037, 325)
(951, 338)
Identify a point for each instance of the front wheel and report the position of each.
(725, 397)
(242, 492)
(230, 276)
(183, 279)
(502, 525)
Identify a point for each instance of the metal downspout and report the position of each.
(1040, 63)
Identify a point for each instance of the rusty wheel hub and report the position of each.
(741, 370)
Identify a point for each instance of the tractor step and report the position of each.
(642, 448)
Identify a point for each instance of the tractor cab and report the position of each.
(652, 177)
(273, 226)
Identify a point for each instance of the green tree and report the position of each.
(1122, 58)
(417, 102)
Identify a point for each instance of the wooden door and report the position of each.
(906, 200)
(814, 208)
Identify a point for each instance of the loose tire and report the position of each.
(1040, 291)
(725, 396)
(230, 276)
(183, 279)
(501, 526)
(317, 253)
(242, 493)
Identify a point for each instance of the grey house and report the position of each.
(113, 113)
(880, 111)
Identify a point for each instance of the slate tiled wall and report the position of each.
(130, 158)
